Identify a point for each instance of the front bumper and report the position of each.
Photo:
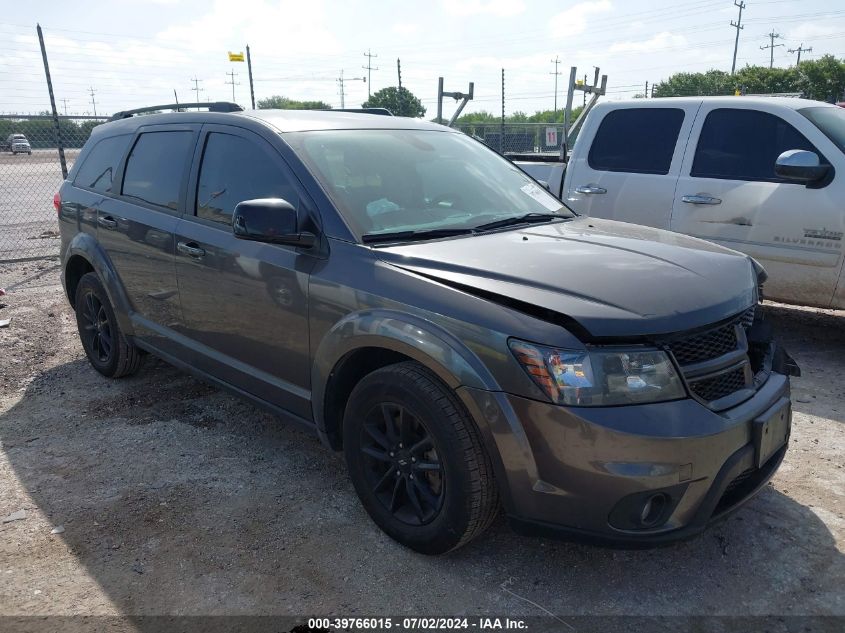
(577, 472)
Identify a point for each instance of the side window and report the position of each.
(636, 140)
(235, 169)
(744, 145)
(156, 166)
(100, 166)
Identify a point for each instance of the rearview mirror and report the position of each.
(800, 165)
(271, 220)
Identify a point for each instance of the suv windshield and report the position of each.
(420, 181)
(831, 121)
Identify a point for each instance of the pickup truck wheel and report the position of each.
(102, 339)
(417, 461)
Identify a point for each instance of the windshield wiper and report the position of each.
(410, 236)
(528, 218)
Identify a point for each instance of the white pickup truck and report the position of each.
(765, 176)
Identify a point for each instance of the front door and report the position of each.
(245, 303)
(729, 193)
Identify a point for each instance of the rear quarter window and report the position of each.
(636, 140)
(98, 169)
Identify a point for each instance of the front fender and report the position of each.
(415, 337)
(86, 246)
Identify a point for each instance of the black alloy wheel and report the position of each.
(402, 464)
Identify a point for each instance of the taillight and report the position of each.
(57, 202)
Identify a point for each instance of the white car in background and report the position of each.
(761, 175)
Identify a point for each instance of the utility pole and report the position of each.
(399, 75)
(369, 68)
(340, 82)
(64, 101)
(249, 70)
(800, 50)
(59, 142)
(232, 74)
(585, 92)
(502, 125)
(197, 88)
(645, 94)
(738, 26)
(91, 92)
(772, 46)
(556, 73)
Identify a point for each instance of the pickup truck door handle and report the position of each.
(190, 248)
(701, 199)
(107, 222)
(589, 189)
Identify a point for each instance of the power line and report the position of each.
(800, 50)
(738, 26)
(772, 46)
(369, 68)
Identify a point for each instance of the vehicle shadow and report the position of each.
(179, 499)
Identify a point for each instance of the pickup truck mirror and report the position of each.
(800, 166)
(272, 220)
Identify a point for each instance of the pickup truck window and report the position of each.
(831, 121)
(235, 169)
(387, 181)
(156, 166)
(99, 168)
(636, 140)
(737, 144)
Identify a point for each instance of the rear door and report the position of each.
(728, 193)
(630, 168)
(137, 227)
(245, 303)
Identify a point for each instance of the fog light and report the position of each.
(653, 509)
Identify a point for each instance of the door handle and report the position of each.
(701, 199)
(590, 189)
(190, 248)
(107, 222)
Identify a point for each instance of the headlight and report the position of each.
(600, 377)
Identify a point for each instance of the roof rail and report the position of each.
(212, 106)
(381, 111)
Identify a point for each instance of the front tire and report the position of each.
(417, 460)
(102, 339)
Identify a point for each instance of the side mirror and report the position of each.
(800, 165)
(271, 220)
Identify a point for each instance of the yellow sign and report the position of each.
(737, 93)
(236, 57)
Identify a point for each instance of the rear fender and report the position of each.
(86, 246)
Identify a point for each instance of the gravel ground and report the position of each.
(176, 498)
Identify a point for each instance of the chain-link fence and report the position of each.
(517, 138)
(30, 174)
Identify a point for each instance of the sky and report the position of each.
(137, 53)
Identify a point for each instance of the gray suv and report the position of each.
(423, 305)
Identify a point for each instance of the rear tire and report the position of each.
(417, 460)
(102, 339)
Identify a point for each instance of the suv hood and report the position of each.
(614, 279)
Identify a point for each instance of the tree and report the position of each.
(401, 102)
(277, 102)
(822, 79)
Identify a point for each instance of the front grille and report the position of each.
(716, 387)
(706, 346)
(737, 481)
